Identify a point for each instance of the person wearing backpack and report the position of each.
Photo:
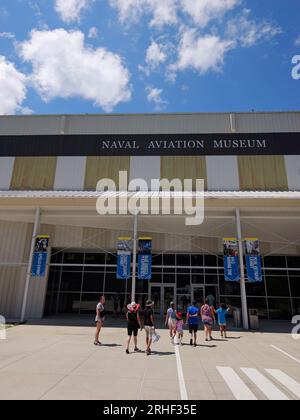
(208, 318)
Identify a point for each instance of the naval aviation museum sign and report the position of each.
(151, 145)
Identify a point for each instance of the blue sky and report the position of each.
(132, 56)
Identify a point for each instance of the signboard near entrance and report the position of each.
(145, 259)
(124, 258)
(253, 260)
(40, 257)
(231, 260)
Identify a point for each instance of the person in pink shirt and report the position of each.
(179, 327)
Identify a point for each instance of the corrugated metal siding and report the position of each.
(6, 170)
(70, 173)
(184, 167)
(33, 173)
(222, 173)
(13, 238)
(151, 123)
(268, 122)
(98, 168)
(12, 282)
(292, 164)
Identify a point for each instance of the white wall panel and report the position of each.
(146, 168)
(6, 170)
(222, 173)
(70, 173)
(292, 164)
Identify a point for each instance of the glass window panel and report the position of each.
(220, 260)
(210, 260)
(142, 286)
(169, 259)
(293, 262)
(93, 282)
(69, 303)
(183, 259)
(157, 259)
(73, 258)
(50, 304)
(183, 284)
(211, 271)
(183, 271)
(158, 278)
(197, 279)
(296, 306)
(260, 304)
(71, 282)
(53, 281)
(295, 286)
(89, 302)
(256, 289)
(197, 270)
(168, 278)
(183, 301)
(235, 302)
(274, 262)
(94, 259)
(211, 279)
(111, 259)
(112, 284)
(169, 270)
(280, 309)
(57, 256)
(197, 260)
(277, 286)
(229, 288)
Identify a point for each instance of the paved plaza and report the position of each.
(54, 360)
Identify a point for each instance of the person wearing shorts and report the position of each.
(193, 322)
(148, 315)
(133, 325)
(207, 315)
(99, 320)
(222, 313)
(170, 321)
(179, 327)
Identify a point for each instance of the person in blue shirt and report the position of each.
(193, 322)
(222, 313)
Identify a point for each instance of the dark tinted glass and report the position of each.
(93, 282)
(295, 286)
(277, 286)
(280, 309)
(260, 304)
(71, 282)
(94, 259)
(197, 260)
(274, 262)
(256, 289)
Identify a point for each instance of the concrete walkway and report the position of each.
(60, 362)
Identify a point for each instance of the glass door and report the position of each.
(155, 296)
(198, 293)
(169, 295)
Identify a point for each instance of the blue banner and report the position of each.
(253, 260)
(124, 258)
(231, 260)
(40, 257)
(145, 259)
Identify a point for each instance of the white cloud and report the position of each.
(70, 10)
(7, 35)
(93, 33)
(66, 68)
(12, 88)
(203, 11)
(163, 11)
(297, 42)
(155, 55)
(154, 96)
(201, 53)
(248, 32)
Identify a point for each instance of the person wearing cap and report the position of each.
(179, 327)
(133, 324)
(148, 315)
(170, 321)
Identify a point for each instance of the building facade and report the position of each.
(51, 165)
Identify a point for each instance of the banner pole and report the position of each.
(242, 268)
(134, 257)
(28, 275)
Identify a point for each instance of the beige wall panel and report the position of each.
(33, 173)
(262, 173)
(206, 246)
(67, 237)
(12, 281)
(184, 167)
(13, 238)
(98, 168)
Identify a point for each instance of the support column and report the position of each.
(134, 257)
(28, 275)
(242, 271)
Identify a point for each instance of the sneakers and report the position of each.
(191, 342)
(127, 351)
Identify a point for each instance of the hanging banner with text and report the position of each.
(231, 260)
(253, 260)
(40, 256)
(124, 258)
(145, 259)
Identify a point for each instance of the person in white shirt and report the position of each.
(99, 320)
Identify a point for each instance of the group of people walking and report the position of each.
(138, 319)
